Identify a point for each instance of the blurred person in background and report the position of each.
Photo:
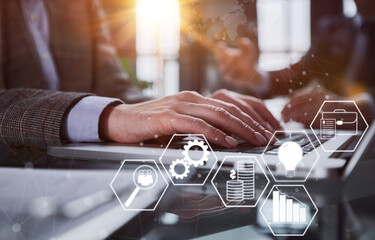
(339, 65)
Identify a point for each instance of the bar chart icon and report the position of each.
(287, 209)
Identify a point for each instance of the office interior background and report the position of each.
(159, 43)
(155, 45)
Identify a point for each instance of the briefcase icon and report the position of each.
(344, 121)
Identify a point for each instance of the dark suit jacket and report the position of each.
(85, 62)
(329, 60)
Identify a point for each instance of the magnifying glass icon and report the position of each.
(144, 178)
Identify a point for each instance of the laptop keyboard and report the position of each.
(245, 147)
(301, 139)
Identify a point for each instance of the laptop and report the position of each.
(328, 163)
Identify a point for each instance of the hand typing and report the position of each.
(217, 117)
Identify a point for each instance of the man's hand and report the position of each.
(252, 106)
(187, 112)
(239, 66)
(305, 103)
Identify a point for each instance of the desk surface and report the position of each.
(34, 203)
(28, 205)
(30, 200)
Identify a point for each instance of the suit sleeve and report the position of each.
(34, 118)
(110, 80)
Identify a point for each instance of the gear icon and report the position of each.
(204, 157)
(179, 175)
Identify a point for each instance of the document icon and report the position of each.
(327, 128)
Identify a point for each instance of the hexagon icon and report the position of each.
(291, 157)
(288, 210)
(240, 181)
(137, 182)
(188, 159)
(339, 120)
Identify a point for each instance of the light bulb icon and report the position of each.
(290, 154)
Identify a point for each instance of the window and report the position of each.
(350, 8)
(283, 32)
(158, 44)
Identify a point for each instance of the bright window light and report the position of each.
(283, 32)
(158, 44)
(350, 9)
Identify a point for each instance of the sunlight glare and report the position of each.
(156, 10)
(158, 44)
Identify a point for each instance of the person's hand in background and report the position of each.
(305, 103)
(187, 112)
(239, 65)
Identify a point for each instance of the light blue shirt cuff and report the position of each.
(82, 123)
